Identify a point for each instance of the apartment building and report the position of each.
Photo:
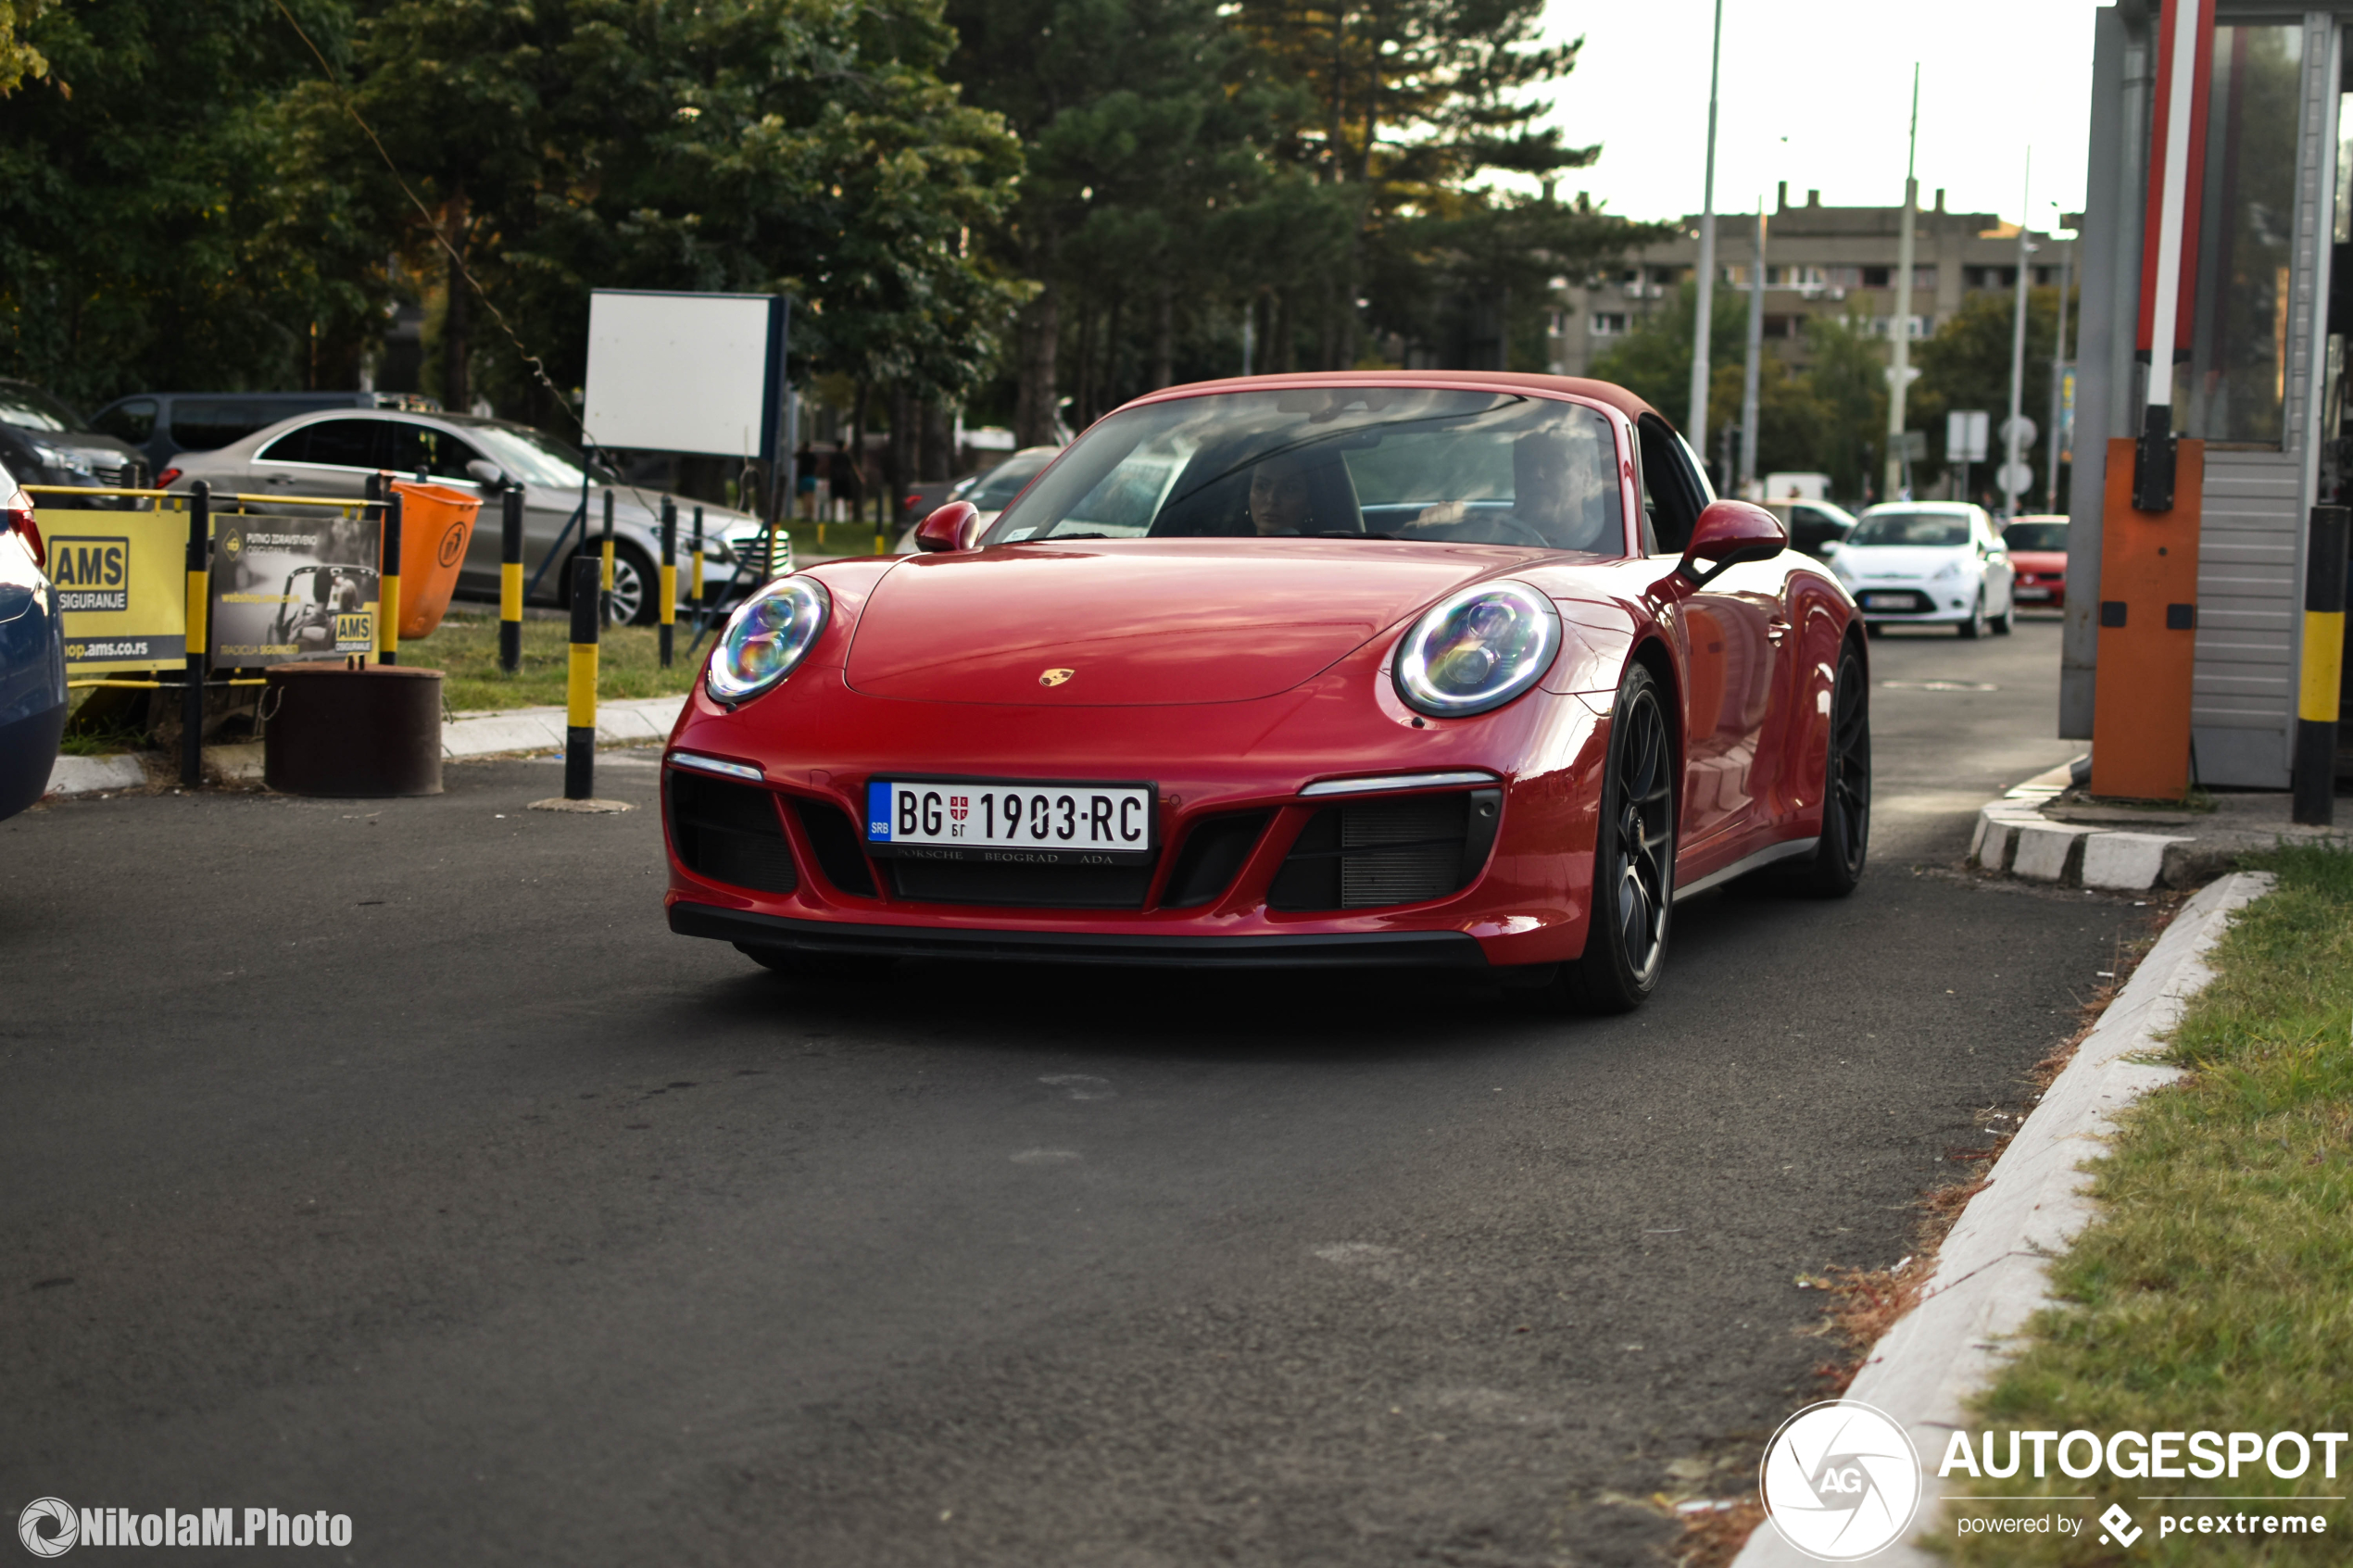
(1819, 261)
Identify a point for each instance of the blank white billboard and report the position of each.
(685, 372)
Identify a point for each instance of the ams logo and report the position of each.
(355, 632)
(91, 573)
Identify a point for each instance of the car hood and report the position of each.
(1872, 562)
(1142, 621)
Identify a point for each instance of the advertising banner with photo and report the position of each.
(287, 588)
(121, 579)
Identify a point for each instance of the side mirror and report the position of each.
(953, 527)
(1729, 532)
(1829, 548)
(487, 474)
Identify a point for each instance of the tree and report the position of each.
(18, 59)
(1967, 365)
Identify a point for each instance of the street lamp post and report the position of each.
(1756, 351)
(1696, 426)
(2011, 432)
(1899, 375)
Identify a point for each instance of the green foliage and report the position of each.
(2215, 1292)
(18, 59)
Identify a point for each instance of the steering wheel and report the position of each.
(1527, 534)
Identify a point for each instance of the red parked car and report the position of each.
(1453, 670)
(2037, 543)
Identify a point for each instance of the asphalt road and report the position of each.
(390, 1159)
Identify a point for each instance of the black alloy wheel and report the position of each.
(1633, 858)
(1838, 859)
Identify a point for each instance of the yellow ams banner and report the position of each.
(121, 579)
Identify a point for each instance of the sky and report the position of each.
(1817, 93)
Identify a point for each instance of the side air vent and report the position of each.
(833, 838)
(729, 833)
(1403, 850)
(1212, 856)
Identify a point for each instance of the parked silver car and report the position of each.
(332, 454)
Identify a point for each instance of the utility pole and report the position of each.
(1756, 351)
(1695, 428)
(2058, 376)
(2011, 432)
(1900, 370)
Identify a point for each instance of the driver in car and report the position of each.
(1279, 501)
(1558, 494)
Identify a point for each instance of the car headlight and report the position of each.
(1477, 649)
(767, 638)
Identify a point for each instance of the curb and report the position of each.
(1990, 1274)
(638, 722)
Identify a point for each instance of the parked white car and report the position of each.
(1936, 563)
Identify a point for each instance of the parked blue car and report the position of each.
(32, 657)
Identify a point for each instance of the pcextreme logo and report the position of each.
(51, 1527)
(1840, 1481)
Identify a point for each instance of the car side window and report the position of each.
(349, 443)
(422, 448)
(133, 421)
(1672, 494)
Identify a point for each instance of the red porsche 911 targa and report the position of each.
(1453, 670)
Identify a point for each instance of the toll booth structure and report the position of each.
(2260, 362)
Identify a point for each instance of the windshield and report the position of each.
(28, 407)
(1337, 463)
(1002, 484)
(532, 456)
(1910, 528)
(2036, 536)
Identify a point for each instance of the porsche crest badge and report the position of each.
(1055, 677)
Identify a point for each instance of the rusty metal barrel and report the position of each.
(358, 733)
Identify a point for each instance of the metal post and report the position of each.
(388, 580)
(2058, 379)
(669, 586)
(511, 580)
(199, 569)
(1899, 374)
(580, 688)
(1756, 354)
(2314, 776)
(604, 591)
(1704, 303)
(2010, 443)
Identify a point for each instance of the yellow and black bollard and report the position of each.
(2313, 776)
(580, 689)
(669, 585)
(604, 577)
(388, 589)
(199, 566)
(698, 588)
(510, 579)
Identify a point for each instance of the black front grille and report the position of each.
(1212, 856)
(729, 833)
(1401, 849)
(1049, 887)
(833, 841)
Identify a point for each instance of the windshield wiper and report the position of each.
(1057, 538)
(1350, 534)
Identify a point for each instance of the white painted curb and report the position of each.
(1991, 1276)
(93, 776)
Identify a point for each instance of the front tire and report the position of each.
(1633, 897)
(1974, 627)
(1846, 784)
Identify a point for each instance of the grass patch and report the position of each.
(2215, 1291)
(465, 648)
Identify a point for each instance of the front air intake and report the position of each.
(729, 833)
(1401, 850)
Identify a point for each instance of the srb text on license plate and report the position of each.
(998, 818)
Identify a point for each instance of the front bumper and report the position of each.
(817, 745)
(1929, 603)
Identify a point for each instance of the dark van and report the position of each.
(161, 423)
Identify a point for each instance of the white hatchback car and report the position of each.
(1935, 563)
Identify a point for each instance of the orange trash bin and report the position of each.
(436, 524)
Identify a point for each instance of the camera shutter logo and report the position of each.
(52, 1511)
(1840, 1481)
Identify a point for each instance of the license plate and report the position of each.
(1011, 819)
(1887, 601)
(2031, 592)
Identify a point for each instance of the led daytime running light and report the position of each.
(767, 638)
(1478, 649)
